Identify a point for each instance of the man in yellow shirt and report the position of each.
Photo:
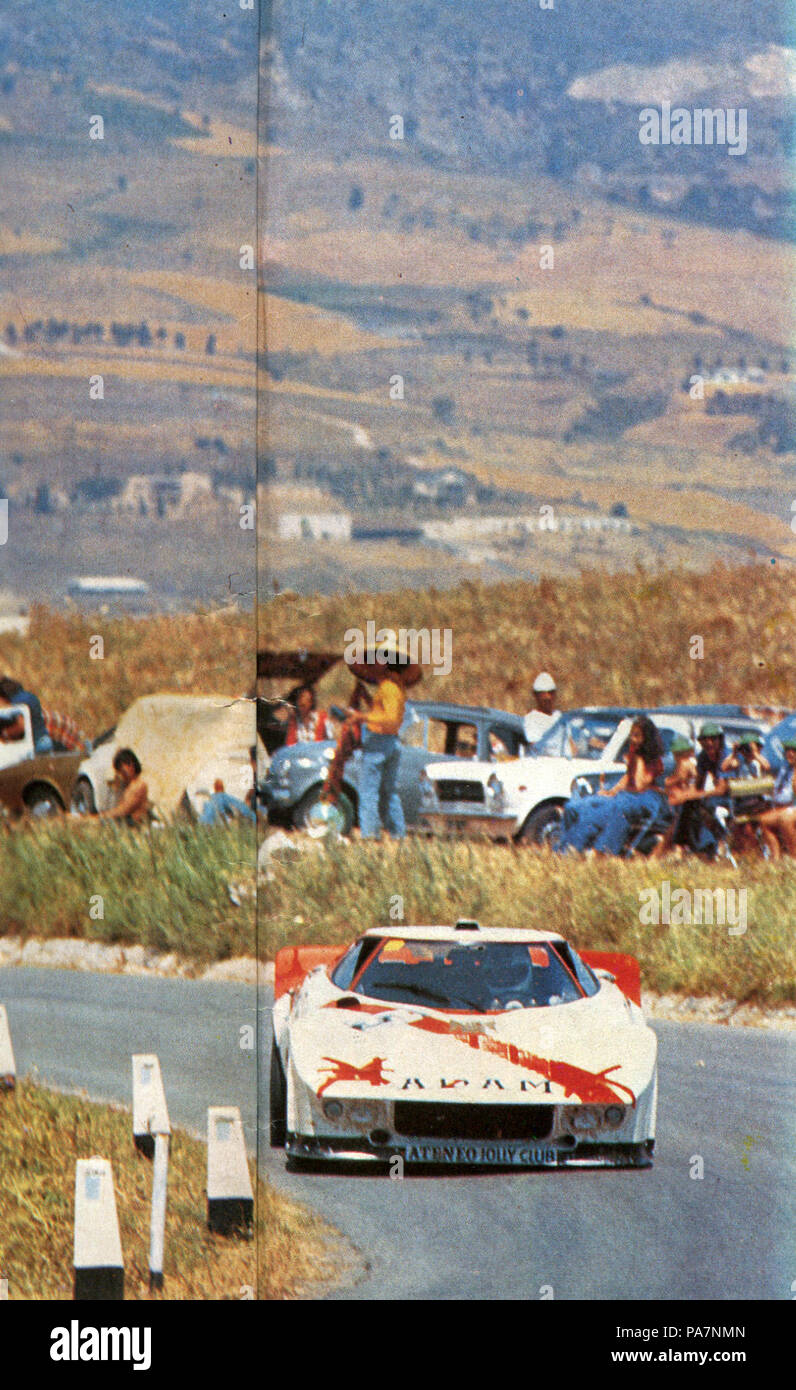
(381, 753)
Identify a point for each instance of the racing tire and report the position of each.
(83, 801)
(342, 824)
(42, 801)
(277, 1101)
(542, 825)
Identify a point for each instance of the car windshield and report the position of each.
(476, 976)
(577, 735)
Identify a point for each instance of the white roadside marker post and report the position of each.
(98, 1260)
(157, 1224)
(150, 1112)
(151, 1131)
(230, 1199)
(8, 1067)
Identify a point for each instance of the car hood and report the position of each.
(597, 1050)
(518, 772)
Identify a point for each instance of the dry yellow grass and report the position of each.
(622, 638)
(291, 327)
(193, 654)
(233, 297)
(41, 1137)
(212, 372)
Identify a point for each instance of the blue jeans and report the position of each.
(603, 822)
(223, 807)
(378, 774)
(624, 807)
(584, 818)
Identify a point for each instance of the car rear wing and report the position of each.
(625, 970)
(294, 962)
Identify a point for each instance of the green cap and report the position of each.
(789, 742)
(746, 740)
(711, 730)
(681, 745)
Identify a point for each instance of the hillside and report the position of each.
(541, 382)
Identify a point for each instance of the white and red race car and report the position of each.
(462, 1045)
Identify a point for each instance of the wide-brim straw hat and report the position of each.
(374, 671)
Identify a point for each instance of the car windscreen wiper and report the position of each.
(420, 992)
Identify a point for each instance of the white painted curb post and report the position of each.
(8, 1067)
(150, 1113)
(230, 1199)
(151, 1131)
(98, 1260)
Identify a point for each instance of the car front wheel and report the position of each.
(319, 817)
(542, 825)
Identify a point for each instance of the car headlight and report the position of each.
(495, 791)
(332, 1109)
(614, 1115)
(584, 1118)
(427, 792)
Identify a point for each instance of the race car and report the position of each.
(462, 1045)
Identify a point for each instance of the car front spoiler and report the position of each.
(471, 1153)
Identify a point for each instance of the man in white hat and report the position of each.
(538, 720)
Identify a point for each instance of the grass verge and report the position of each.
(167, 889)
(333, 896)
(43, 1133)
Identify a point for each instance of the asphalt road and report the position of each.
(726, 1095)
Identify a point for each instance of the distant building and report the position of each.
(163, 494)
(108, 591)
(447, 487)
(314, 526)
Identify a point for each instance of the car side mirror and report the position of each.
(606, 975)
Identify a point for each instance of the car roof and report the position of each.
(446, 708)
(448, 933)
(717, 711)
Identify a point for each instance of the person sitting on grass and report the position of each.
(746, 759)
(602, 822)
(133, 805)
(698, 827)
(681, 780)
(222, 809)
(778, 823)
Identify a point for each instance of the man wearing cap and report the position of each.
(381, 749)
(682, 779)
(537, 721)
(695, 828)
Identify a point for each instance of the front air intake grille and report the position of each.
(460, 791)
(426, 1119)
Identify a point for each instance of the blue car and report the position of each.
(431, 731)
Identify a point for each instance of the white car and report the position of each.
(464, 1046)
(185, 744)
(521, 799)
